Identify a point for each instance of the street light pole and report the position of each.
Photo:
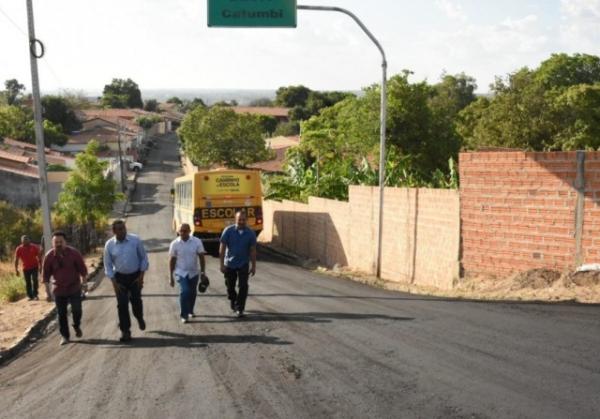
(39, 127)
(383, 119)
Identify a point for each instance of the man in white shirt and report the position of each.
(185, 252)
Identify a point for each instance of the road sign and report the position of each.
(252, 13)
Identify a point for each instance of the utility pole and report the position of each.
(122, 173)
(39, 127)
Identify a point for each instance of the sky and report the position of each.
(167, 43)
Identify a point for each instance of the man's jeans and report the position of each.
(238, 299)
(31, 282)
(128, 291)
(187, 294)
(62, 308)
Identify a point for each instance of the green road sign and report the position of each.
(252, 13)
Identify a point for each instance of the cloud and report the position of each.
(482, 50)
(580, 27)
(451, 9)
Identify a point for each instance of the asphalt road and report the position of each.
(311, 347)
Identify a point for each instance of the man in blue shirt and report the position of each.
(236, 252)
(125, 262)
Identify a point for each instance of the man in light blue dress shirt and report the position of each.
(125, 262)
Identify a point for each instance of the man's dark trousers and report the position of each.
(31, 282)
(238, 299)
(128, 291)
(62, 303)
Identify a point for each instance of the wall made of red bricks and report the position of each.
(518, 211)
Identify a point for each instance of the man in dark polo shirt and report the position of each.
(67, 269)
(29, 255)
(237, 253)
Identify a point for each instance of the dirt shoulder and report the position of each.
(18, 317)
(534, 285)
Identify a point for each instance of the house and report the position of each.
(21, 148)
(281, 114)
(20, 179)
(279, 145)
(108, 137)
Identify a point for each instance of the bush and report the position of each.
(12, 288)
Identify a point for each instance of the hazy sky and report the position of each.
(167, 44)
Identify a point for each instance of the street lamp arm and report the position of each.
(356, 19)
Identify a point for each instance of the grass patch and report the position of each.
(12, 288)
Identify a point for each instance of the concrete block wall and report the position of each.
(420, 232)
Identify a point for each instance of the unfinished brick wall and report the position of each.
(591, 218)
(518, 211)
(420, 233)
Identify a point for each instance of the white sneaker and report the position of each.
(184, 320)
(64, 341)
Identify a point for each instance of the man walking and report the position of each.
(29, 255)
(125, 262)
(185, 252)
(236, 251)
(67, 269)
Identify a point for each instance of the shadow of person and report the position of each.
(164, 339)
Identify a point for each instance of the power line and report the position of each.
(13, 23)
(44, 60)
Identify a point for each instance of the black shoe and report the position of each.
(142, 324)
(239, 314)
(125, 337)
(233, 306)
(78, 331)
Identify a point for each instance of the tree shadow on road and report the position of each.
(179, 340)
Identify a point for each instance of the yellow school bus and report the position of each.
(208, 201)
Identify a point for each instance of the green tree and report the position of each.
(190, 105)
(87, 196)
(13, 122)
(220, 136)
(121, 93)
(147, 122)
(151, 105)
(292, 96)
(552, 107)
(226, 103)
(58, 110)
(175, 100)
(13, 91)
(53, 133)
(262, 102)
(267, 123)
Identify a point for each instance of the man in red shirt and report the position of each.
(29, 255)
(68, 271)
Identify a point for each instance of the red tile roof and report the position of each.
(4, 155)
(262, 110)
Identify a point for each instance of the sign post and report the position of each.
(282, 13)
(252, 14)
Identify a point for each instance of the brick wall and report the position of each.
(420, 233)
(591, 219)
(518, 211)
